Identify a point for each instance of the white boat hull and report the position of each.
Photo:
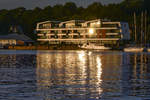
(134, 49)
(148, 49)
(93, 47)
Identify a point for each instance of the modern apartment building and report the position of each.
(80, 31)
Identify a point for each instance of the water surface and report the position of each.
(74, 75)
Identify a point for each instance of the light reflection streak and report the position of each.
(43, 69)
(99, 67)
(90, 53)
(81, 56)
(99, 73)
(78, 69)
(82, 59)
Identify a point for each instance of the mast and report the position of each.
(135, 30)
(145, 35)
(141, 28)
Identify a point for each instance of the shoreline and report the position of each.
(43, 48)
(54, 47)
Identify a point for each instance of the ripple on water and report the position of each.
(74, 75)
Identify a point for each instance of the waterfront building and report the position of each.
(100, 31)
(14, 36)
(14, 39)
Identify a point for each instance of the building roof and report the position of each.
(73, 21)
(96, 20)
(16, 36)
(48, 22)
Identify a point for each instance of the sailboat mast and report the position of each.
(135, 34)
(145, 35)
(141, 27)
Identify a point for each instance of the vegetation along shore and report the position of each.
(28, 18)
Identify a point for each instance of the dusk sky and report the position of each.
(10, 4)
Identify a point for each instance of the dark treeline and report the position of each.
(27, 19)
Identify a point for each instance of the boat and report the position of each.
(148, 48)
(94, 47)
(134, 49)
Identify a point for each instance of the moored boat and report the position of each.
(94, 47)
(148, 49)
(134, 49)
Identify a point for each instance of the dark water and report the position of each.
(74, 75)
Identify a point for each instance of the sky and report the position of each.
(30, 4)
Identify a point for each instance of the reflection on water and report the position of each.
(74, 75)
(81, 74)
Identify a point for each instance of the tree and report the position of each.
(70, 9)
(28, 18)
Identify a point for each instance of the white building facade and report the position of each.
(79, 31)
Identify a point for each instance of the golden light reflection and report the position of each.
(77, 72)
(89, 53)
(99, 67)
(43, 66)
(61, 68)
(99, 73)
(82, 60)
(81, 55)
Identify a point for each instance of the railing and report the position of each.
(107, 35)
(58, 29)
(81, 39)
